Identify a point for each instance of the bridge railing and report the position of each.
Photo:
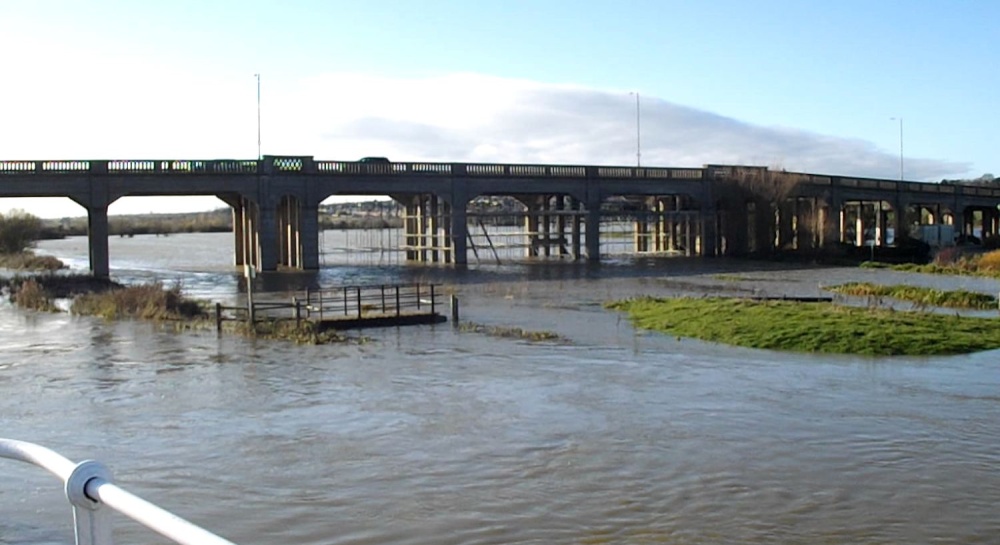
(307, 165)
(131, 166)
(89, 488)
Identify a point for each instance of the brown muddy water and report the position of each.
(427, 435)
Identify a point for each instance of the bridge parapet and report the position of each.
(45, 167)
(149, 166)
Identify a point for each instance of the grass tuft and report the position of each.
(508, 332)
(920, 296)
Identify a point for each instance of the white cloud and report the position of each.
(125, 108)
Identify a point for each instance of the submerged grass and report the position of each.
(920, 296)
(508, 332)
(813, 327)
(303, 332)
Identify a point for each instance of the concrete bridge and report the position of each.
(714, 210)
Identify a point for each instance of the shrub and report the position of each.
(28, 261)
(31, 295)
(947, 256)
(18, 230)
(989, 261)
(146, 301)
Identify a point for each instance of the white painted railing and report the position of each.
(90, 489)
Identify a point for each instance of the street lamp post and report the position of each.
(258, 115)
(900, 119)
(638, 132)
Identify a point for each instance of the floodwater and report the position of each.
(428, 435)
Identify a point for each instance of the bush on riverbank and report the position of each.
(150, 301)
(813, 327)
(28, 261)
(951, 261)
(18, 231)
(927, 297)
(31, 295)
(55, 286)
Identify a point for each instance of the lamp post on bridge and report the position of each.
(638, 131)
(900, 119)
(257, 75)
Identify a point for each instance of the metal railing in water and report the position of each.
(90, 489)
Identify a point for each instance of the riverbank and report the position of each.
(152, 302)
(216, 221)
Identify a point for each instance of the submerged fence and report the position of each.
(89, 489)
(357, 303)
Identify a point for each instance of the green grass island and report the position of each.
(813, 327)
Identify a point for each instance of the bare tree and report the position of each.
(18, 231)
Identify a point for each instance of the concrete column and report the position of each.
(447, 247)
(422, 224)
(545, 223)
(251, 242)
(97, 237)
(561, 223)
(284, 233)
(592, 233)
(309, 235)
(577, 208)
(410, 227)
(676, 224)
(267, 237)
(639, 238)
(843, 225)
(432, 228)
(459, 231)
(859, 234)
(531, 227)
(239, 255)
(786, 211)
(709, 233)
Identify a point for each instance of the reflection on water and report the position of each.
(430, 435)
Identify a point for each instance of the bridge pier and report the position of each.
(289, 242)
(575, 231)
(97, 238)
(433, 232)
(309, 235)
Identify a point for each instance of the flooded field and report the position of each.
(429, 435)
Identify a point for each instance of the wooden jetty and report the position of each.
(345, 307)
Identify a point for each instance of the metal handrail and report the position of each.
(89, 488)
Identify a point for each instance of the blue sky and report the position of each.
(806, 85)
